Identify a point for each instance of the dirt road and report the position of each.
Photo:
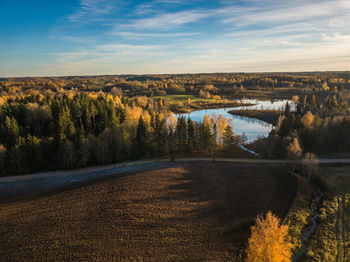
(19, 187)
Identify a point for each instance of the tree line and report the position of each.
(58, 131)
(318, 124)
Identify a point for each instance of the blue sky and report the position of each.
(83, 37)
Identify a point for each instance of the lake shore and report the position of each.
(201, 105)
(268, 116)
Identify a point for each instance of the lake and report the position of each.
(252, 127)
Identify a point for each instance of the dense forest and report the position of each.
(320, 127)
(59, 131)
(71, 122)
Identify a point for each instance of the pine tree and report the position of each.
(181, 128)
(141, 138)
(229, 138)
(3, 152)
(11, 130)
(190, 144)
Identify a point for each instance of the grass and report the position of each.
(184, 98)
(331, 240)
(336, 179)
(180, 103)
(299, 214)
(180, 212)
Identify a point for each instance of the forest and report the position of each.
(71, 122)
(55, 123)
(61, 131)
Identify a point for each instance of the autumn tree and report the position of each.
(308, 119)
(310, 163)
(207, 136)
(268, 241)
(325, 86)
(294, 152)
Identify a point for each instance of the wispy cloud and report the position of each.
(289, 12)
(156, 5)
(137, 35)
(92, 9)
(172, 36)
(168, 20)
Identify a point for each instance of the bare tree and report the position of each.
(310, 164)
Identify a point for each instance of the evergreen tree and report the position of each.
(141, 138)
(190, 143)
(3, 152)
(229, 138)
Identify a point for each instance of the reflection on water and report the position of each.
(266, 105)
(252, 127)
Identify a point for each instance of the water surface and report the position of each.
(251, 127)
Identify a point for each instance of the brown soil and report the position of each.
(182, 212)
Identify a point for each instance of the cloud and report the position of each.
(155, 5)
(168, 20)
(249, 35)
(137, 35)
(91, 9)
(287, 12)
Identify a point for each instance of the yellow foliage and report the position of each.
(142, 101)
(308, 119)
(295, 99)
(294, 150)
(171, 121)
(133, 113)
(268, 241)
(146, 117)
(206, 120)
(204, 94)
(325, 86)
(2, 100)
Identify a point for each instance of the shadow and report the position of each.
(223, 199)
(46, 187)
(188, 211)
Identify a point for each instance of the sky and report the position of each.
(94, 37)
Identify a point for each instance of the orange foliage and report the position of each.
(268, 241)
(308, 119)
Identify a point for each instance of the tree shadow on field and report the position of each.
(221, 200)
(33, 189)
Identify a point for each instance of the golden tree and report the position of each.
(308, 119)
(294, 152)
(268, 241)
